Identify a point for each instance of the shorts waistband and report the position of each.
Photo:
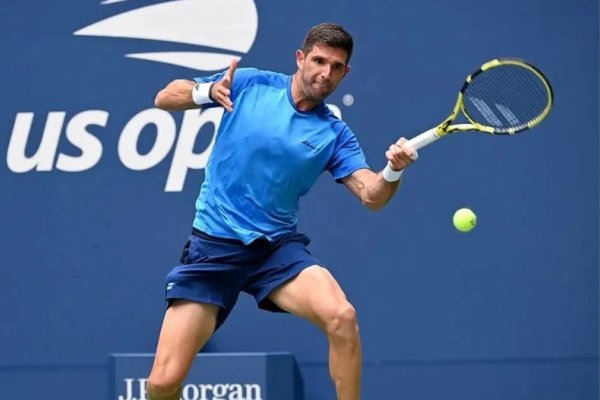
(204, 235)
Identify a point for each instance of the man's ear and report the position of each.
(347, 70)
(299, 59)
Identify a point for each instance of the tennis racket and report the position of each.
(505, 96)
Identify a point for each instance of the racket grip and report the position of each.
(423, 139)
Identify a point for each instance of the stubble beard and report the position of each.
(310, 93)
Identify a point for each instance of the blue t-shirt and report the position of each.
(266, 155)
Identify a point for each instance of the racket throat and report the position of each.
(445, 127)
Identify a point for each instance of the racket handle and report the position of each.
(423, 139)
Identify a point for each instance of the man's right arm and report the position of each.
(176, 96)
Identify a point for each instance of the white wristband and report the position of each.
(391, 175)
(201, 93)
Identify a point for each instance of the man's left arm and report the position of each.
(375, 189)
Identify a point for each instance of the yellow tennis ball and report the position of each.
(464, 219)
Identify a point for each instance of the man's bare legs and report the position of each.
(315, 295)
(186, 328)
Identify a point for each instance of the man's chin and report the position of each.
(320, 95)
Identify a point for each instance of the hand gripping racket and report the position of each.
(505, 96)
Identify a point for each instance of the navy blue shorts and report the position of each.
(215, 270)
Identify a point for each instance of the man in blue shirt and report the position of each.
(274, 140)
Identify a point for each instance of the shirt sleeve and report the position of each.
(241, 79)
(347, 156)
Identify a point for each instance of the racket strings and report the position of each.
(507, 97)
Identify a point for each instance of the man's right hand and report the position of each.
(220, 91)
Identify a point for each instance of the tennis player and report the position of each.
(275, 139)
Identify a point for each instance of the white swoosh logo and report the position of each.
(229, 25)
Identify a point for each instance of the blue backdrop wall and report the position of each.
(97, 190)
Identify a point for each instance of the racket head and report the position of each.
(506, 96)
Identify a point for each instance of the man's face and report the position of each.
(322, 69)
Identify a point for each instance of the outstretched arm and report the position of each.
(183, 94)
(375, 189)
(176, 96)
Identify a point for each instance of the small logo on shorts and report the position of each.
(170, 285)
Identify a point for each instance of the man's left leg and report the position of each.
(314, 294)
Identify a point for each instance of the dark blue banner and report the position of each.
(97, 193)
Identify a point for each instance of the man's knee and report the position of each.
(342, 322)
(162, 384)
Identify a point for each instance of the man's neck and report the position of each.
(300, 101)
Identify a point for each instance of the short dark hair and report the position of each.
(330, 35)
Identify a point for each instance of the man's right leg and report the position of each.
(186, 328)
